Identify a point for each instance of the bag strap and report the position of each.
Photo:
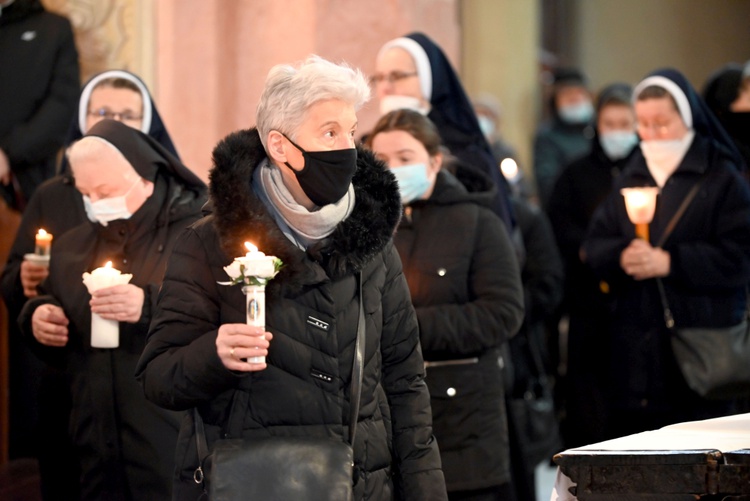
(668, 318)
(681, 210)
(358, 367)
(355, 392)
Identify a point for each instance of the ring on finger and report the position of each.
(231, 352)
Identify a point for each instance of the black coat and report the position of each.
(304, 390)
(581, 187)
(125, 443)
(710, 267)
(466, 287)
(37, 92)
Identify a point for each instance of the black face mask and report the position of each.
(738, 125)
(326, 175)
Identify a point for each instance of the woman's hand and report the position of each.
(641, 261)
(123, 303)
(236, 342)
(50, 325)
(31, 276)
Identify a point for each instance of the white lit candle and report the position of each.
(256, 263)
(104, 333)
(640, 204)
(43, 243)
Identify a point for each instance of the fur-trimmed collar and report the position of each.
(240, 216)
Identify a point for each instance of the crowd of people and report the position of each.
(481, 289)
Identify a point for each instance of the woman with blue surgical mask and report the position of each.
(581, 187)
(466, 288)
(568, 133)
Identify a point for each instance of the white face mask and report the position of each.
(663, 157)
(108, 209)
(391, 102)
(618, 144)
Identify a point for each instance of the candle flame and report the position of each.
(251, 247)
(41, 232)
(108, 264)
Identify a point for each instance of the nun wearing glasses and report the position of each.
(704, 264)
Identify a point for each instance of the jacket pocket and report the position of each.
(456, 398)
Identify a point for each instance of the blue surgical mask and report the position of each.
(413, 181)
(579, 113)
(108, 209)
(618, 144)
(487, 126)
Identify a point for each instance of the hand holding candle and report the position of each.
(104, 333)
(253, 271)
(640, 204)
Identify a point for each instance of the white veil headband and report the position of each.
(683, 106)
(83, 103)
(421, 61)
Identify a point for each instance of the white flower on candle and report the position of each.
(254, 268)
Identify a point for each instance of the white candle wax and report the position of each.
(42, 243)
(104, 333)
(255, 308)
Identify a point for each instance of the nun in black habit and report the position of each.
(704, 264)
(138, 198)
(57, 207)
(443, 99)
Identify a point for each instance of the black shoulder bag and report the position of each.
(715, 361)
(285, 468)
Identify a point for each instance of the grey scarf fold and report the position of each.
(306, 227)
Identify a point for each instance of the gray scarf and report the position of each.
(301, 226)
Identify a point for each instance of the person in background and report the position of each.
(413, 72)
(37, 95)
(489, 114)
(297, 188)
(581, 188)
(727, 94)
(567, 136)
(57, 206)
(138, 198)
(465, 284)
(542, 278)
(704, 265)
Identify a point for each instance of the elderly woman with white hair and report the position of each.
(703, 264)
(138, 198)
(296, 187)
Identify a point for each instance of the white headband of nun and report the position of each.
(683, 106)
(421, 61)
(87, 140)
(83, 106)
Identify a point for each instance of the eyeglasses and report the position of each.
(125, 116)
(391, 77)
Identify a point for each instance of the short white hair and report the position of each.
(95, 146)
(291, 90)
